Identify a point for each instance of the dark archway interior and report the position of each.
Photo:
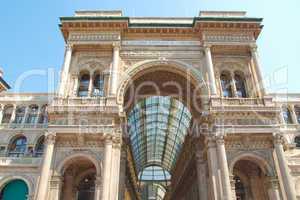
(249, 181)
(79, 180)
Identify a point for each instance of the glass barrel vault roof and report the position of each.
(157, 127)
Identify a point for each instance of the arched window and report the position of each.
(39, 147)
(297, 112)
(83, 89)
(98, 85)
(297, 141)
(226, 85)
(7, 112)
(240, 86)
(32, 114)
(43, 118)
(18, 147)
(20, 113)
(287, 115)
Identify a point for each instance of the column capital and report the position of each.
(253, 48)
(220, 140)
(50, 137)
(207, 47)
(211, 141)
(278, 138)
(116, 45)
(69, 47)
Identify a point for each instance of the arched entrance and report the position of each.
(14, 190)
(79, 175)
(160, 103)
(250, 181)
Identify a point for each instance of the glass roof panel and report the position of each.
(157, 127)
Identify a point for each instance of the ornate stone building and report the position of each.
(153, 108)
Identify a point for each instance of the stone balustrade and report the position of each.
(83, 104)
(20, 161)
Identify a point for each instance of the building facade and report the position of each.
(153, 108)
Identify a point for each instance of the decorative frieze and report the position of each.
(79, 37)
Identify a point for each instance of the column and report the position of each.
(98, 186)
(75, 88)
(65, 69)
(293, 114)
(55, 187)
(107, 168)
(25, 115)
(115, 170)
(273, 188)
(46, 167)
(1, 112)
(202, 176)
(284, 169)
(90, 92)
(224, 168)
(232, 82)
(215, 186)
(13, 114)
(114, 70)
(257, 69)
(210, 69)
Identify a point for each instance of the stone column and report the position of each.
(1, 112)
(45, 172)
(90, 92)
(114, 72)
(65, 69)
(13, 114)
(215, 186)
(38, 114)
(273, 188)
(210, 70)
(75, 88)
(224, 168)
(202, 176)
(293, 114)
(98, 186)
(284, 169)
(257, 69)
(25, 115)
(107, 168)
(55, 188)
(116, 158)
(233, 86)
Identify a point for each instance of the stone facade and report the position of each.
(243, 143)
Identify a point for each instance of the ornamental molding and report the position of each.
(160, 43)
(228, 37)
(92, 38)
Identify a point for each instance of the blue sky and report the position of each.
(31, 44)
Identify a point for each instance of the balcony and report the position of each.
(83, 104)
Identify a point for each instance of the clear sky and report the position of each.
(31, 45)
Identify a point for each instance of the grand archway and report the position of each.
(14, 190)
(160, 103)
(79, 176)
